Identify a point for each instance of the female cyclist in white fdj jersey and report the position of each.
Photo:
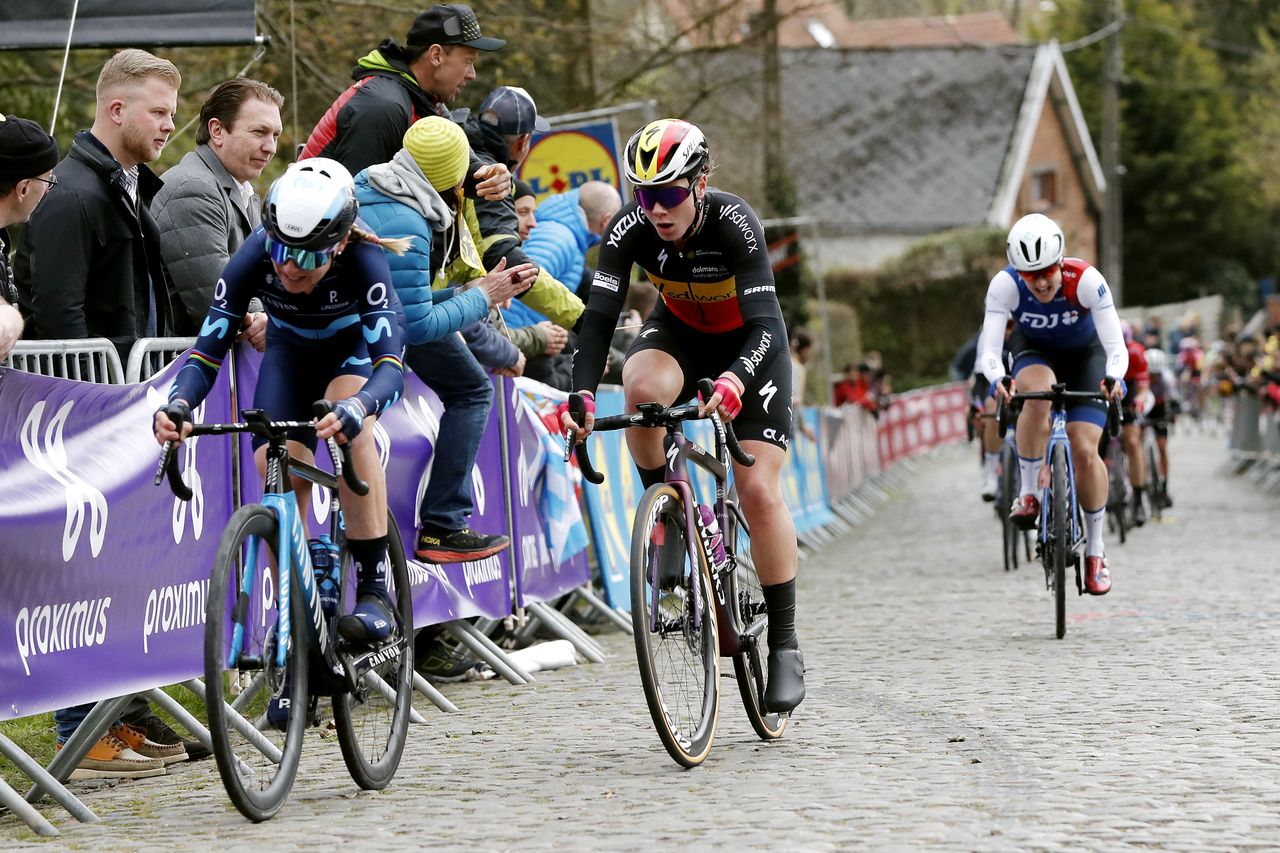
(718, 316)
(1066, 330)
(334, 333)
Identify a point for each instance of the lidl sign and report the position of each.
(565, 159)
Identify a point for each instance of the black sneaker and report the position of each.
(437, 545)
(439, 658)
(159, 731)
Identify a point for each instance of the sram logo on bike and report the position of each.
(51, 628)
(172, 608)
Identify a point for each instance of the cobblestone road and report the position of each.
(941, 712)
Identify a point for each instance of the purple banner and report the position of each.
(103, 576)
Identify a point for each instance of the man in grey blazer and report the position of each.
(207, 206)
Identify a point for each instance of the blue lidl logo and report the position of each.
(564, 159)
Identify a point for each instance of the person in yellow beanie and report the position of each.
(418, 194)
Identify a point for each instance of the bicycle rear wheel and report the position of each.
(256, 747)
(373, 723)
(1008, 488)
(1117, 503)
(677, 644)
(1060, 531)
(751, 668)
(1155, 483)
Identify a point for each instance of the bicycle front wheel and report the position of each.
(1117, 503)
(751, 668)
(1155, 483)
(677, 642)
(1008, 489)
(1060, 531)
(373, 722)
(257, 709)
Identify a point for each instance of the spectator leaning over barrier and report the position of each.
(89, 259)
(207, 206)
(407, 196)
(89, 265)
(501, 132)
(395, 86)
(27, 158)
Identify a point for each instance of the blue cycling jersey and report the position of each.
(354, 294)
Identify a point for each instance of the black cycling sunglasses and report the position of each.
(668, 197)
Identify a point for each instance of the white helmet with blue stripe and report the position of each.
(311, 206)
(1035, 242)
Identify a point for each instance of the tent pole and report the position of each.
(62, 75)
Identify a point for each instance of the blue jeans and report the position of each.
(463, 386)
(67, 720)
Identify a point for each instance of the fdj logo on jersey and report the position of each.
(565, 159)
(1049, 321)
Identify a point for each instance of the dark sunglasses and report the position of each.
(1033, 275)
(306, 259)
(668, 197)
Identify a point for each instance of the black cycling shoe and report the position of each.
(1139, 511)
(785, 689)
(372, 621)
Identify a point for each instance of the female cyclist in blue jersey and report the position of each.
(334, 333)
(719, 316)
(1066, 330)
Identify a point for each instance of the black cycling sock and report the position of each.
(649, 476)
(780, 598)
(370, 559)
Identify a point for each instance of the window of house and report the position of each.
(1044, 189)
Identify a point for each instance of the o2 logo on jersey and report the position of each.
(377, 295)
(1045, 322)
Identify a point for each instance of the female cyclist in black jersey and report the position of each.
(334, 333)
(705, 251)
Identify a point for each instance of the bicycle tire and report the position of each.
(257, 785)
(1060, 531)
(751, 667)
(372, 726)
(685, 708)
(1155, 484)
(1009, 487)
(1117, 505)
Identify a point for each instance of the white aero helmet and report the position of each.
(1157, 361)
(1035, 242)
(311, 206)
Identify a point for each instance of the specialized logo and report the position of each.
(767, 391)
(51, 628)
(734, 215)
(605, 281)
(672, 453)
(46, 451)
(172, 608)
(662, 259)
(752, 360)
(649, 331)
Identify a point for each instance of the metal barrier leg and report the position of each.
(379, 684)
(558, 624)
(601, 606)
(13, 801)
(426, 688)
(182, 715)
(95, 723)
(488, 651)
(36, 773)
(240, 724)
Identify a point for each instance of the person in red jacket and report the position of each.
(856, 385)
(1137, 400)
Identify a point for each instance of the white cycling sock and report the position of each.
(990, 461)
(1030, 471)
(1093, 546)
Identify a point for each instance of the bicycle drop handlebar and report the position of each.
(649, 415)
(1059, 395)
(256, 422)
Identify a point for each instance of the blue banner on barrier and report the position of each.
(611, 505)
(803, 484)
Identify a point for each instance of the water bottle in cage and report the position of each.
(711, 538)
(324, 560)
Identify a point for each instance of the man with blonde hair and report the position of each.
(89, 260)
(89, 266)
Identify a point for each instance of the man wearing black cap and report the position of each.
(501, 131)
(395, 86)
(27, 158)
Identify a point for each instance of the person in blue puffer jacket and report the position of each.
(567, 226)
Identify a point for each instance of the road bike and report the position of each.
(265, 672)
(1061, 524)
(1008, 486)
(1119, 487)
(691, 603)
(1157, 481)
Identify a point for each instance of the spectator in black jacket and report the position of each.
(395, 86)
(89, 262)
(27, 158)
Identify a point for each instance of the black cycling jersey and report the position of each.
(720, 282)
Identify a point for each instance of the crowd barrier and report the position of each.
(1253, 444)
(103, 576)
